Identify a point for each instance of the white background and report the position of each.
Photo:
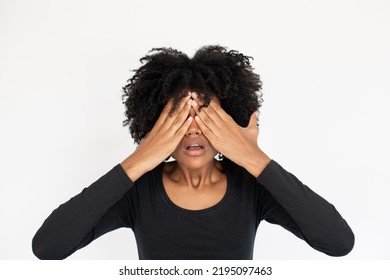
(325, 67)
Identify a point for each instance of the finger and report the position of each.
(195, 96)
(183, 129)
(218, 110)
(211, 112)
(181, 105)
(203, 115)
(207, 132)
(164, 116)
(181, 118)
(195, 106)
(214, 109)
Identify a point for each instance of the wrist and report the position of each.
(256, 162)
(133, 167)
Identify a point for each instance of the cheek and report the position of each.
(177, 150)
(214, 151)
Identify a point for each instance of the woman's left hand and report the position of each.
(237, 143)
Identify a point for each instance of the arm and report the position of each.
(100, 208)
(297, 208)
(103, 206)
(290, 203)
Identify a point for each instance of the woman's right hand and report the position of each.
(161, 141)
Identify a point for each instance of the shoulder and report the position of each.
(237, 174)
(233, 168)
(148, 182)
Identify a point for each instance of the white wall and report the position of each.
(325, 67)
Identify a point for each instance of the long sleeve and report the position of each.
(293, 205)
(99, 208)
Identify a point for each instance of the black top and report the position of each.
(164, 230)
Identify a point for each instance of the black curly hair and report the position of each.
(169, 73)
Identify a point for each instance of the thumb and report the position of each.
(253, 120)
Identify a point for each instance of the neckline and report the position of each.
(189, 211)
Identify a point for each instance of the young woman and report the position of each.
(207, 202)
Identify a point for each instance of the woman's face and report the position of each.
(194, 150)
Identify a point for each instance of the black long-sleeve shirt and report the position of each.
(163, 230)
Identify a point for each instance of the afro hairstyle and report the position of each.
(167, 74)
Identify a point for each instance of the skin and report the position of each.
(196, 182)
(237, 143)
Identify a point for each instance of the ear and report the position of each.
(253, 120)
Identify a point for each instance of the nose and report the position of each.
(194, 129)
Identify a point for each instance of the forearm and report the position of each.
(133, 167)
(254, 160)
(319, 222)
(73, 221)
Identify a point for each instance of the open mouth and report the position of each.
(194, 147)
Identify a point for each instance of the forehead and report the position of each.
(213, 98)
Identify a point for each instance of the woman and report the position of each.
(194, 207)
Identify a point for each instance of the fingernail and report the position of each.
(189, 101)
(194, 103)
(189, 118)
(197, 118)
(194, 94)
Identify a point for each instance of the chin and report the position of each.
(194, 162)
